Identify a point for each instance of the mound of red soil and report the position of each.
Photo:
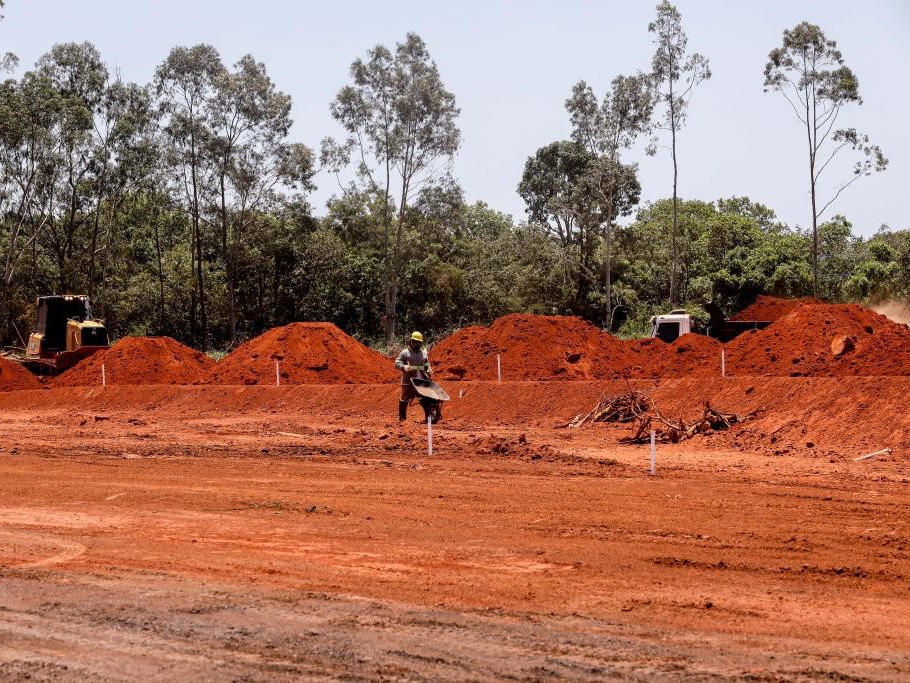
(13, 376)
(531, 347)
(140, 360)
(823, 340)
(692, 355)
(772, 308)
(307, 353)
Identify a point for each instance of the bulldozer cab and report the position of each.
(65, 323)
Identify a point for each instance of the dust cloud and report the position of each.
(898, 311)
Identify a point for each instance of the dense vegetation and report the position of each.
(181, 205)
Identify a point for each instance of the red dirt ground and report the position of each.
(13, 376)
(299, 532)
(308, 353)
(140, 360)
(692, 355)
(531, 347)
(218, 532)
(772, 307)
(800, 344)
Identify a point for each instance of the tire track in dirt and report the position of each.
(69, 550)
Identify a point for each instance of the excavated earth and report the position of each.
(232, 532)
(13, 376)
(303, 353)
(771, 308)
(139, 360)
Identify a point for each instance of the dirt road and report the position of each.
(153, 539)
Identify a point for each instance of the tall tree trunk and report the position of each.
(4, 312)
(197, 236)
(810, 130)
(395, 270)
(94, 241)
(675, 254)
(161, 322)
(608, 266)
(673, 279)
(390, 298)
(228, 261)
(814, 236)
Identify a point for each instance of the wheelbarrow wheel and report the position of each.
(432, 410)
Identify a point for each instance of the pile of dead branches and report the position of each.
(639, 407)
(669, 431)
(616, 408)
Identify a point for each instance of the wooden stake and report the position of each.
(277, 376)
(498, 369)
(430, 435)
(884, 451)
(653, 455)
(103, 376)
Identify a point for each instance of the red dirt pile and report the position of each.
(531, 347)
(13, 376)
(823, 340)
(692, 355)
(308, 353)
(772, 308)
(140, 360)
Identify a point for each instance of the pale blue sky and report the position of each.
(512, 64)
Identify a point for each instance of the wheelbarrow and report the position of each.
(431, 398)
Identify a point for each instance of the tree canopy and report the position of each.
(183, 205)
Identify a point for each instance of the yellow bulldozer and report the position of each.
(65, 332)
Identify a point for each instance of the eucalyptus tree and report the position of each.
(605, 128)
(185, 83)
(674, 73)
(809, 71)
(249, 120)
(402, 132)
(29, 114)
(80, 77)
(562, 186)
(127, 155)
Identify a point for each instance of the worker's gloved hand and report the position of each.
(429, 371)
(408, 368)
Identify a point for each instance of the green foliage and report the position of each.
(809, 71)
(181, 208)
(400, 121)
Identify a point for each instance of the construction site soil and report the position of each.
(235, 532)
(13, 376)
(812, 340)
(771, 307)
(531, 347)
(140, 360)
(306, 353)
(821, 340)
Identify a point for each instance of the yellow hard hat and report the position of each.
(416, 336)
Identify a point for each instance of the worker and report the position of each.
(412, 362)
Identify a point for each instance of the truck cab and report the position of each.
(671, 326)
(676, 323)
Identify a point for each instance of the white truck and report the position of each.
(676, 323)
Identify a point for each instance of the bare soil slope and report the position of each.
(531, 347)
(13, 376)
(823, 340)
(771, 307)
(307, 353)
(140, 360)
